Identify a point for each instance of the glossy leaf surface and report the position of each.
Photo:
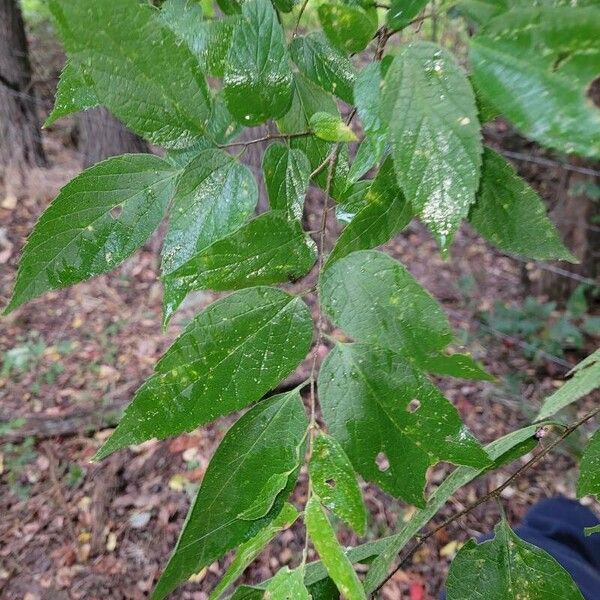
(391, 420)
(230, 355)
(374, 299)
(337, 564)
(287, 173)
(589, 477)
(512, 216)
(535, 66)
(287, 585)
(138, 68)
(334, 482)
(348, 26)
(508, 569)
(265, 441)
(435, 135)
(402, 12)
(97, 220)
(268, 249)
(258, 78)
(585, 377)
(386, 212)
(324, 64)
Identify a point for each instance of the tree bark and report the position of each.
(20, 140)
(101, 136)
(575, 216)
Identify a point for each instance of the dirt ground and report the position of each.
(71, 360)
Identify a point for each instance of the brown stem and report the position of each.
(266, 138)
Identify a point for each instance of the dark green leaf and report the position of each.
(454, 365)
(391, 420)
(348, 27)
(513, 445)
(73, 94)
(267, 440)
(248, 551)
(97, 220)
(353, 200)
(585, 378)
(287, 173)
(480, 11)
(258, 77)
(508, 569)
(215, 195)
(268, 249)
(287, 585)
(589, 478)
(512, 216)
(386, 213)
(208, 40)
(324, 65)
(307, 100)
(230, 355)
(374, 299)
(435, 135)
(331, 128)
(402, 12)
(535, 66)
(337, 564)
(138, 68)
(334, 482)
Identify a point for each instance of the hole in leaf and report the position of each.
(382, 462)
(413, 406)
(116, 211)
(330, 482)
(593, 92)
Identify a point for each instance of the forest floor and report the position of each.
(71, 360)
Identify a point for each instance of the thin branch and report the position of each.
(266, 138)
(546, 162)
(300, 13)
(495, 493)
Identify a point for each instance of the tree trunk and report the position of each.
(20, 139)
(575, 216)
(101, 135)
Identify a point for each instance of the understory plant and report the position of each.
(388, 126)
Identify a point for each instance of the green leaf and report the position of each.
(391, 420)
(286, 174)
(435, 135)
(589, 478)
(268, 249)
(480, 11)
(307, 100)
(208, 40)
(265, 441)
(249, 550)
(454, 365)
(348, 27)
(512, 216)
(97, 220)
(508, 569)
(287, 585)
(334, 482)
(535, 66)
(229, 356)
(368, 100)
(138, 68)
(385, 214)
(331, 128)
(215, 195)
(507, 448)
(337, 564)
(591, 530)
(258, 77)
(353, 200)
(374, 299)
(324, 64)
(402, 12)
(585, 378)
(73, 93)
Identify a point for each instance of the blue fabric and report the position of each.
(556, 525)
